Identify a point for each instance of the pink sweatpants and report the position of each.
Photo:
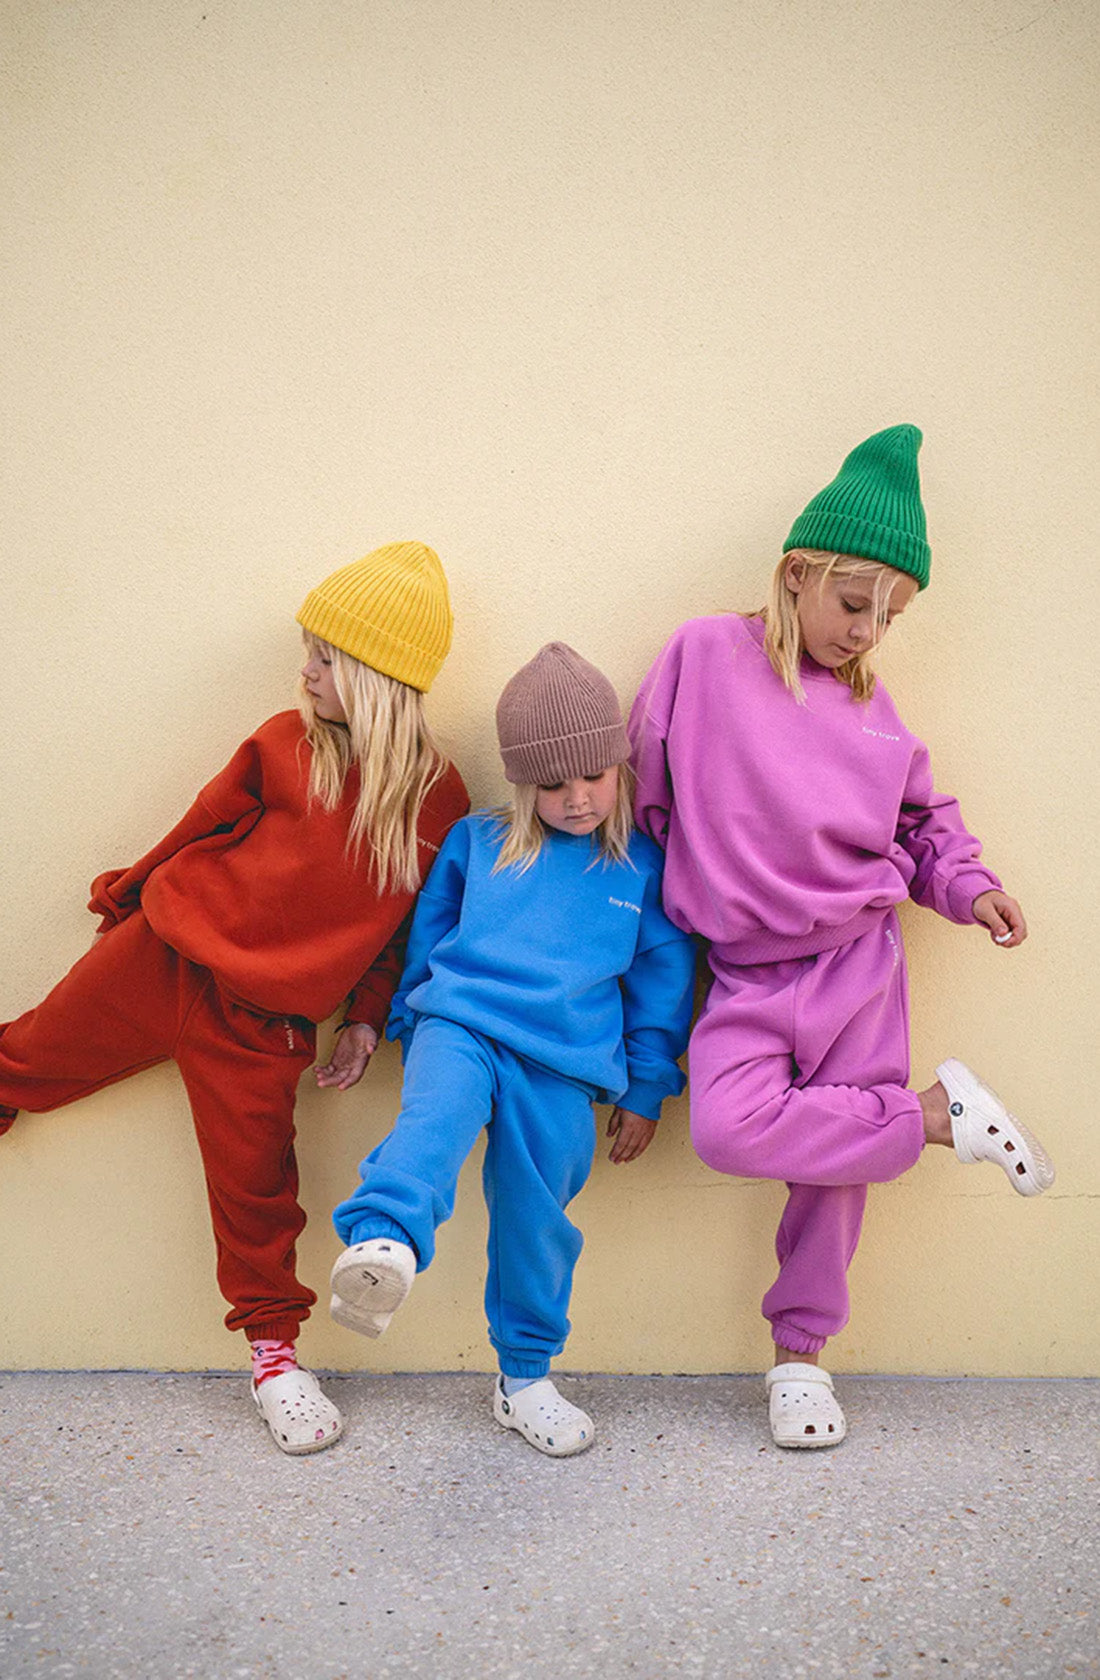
(798, 1073)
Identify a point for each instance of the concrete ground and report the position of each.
(149, 1528)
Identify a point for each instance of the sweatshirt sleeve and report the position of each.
(948, 875)
(648, 730)
(658, 991)
(232, 799)
(371, 998)
(437, 911)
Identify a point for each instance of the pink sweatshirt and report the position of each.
(788, 829)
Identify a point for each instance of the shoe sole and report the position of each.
(366, 1294)
(811, 1443)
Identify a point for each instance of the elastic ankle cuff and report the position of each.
(274, 1330)
(515, 1365)
(379, 1225)
(790, 1342)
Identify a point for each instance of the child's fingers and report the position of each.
(1013, 928)
(615, 1129)
(354, 1073)
(1014, 916)
(633, 1140)
(341, 1074)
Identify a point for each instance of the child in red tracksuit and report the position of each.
(280, 893)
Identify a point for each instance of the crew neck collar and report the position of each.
(809, 670)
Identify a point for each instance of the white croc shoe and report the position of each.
(802, 1409)
(369, 1283)
(300, 1418)
(544, 1417)
(984, 1130)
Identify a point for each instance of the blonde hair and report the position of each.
(524, 830)
(386, 737)
(783, 633)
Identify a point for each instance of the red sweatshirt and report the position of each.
(257, 885)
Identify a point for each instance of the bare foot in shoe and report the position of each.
(935, 1113)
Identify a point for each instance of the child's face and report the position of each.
(579, 805)
(836, 613)
(320, 684)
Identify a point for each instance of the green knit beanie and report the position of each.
(873, 507)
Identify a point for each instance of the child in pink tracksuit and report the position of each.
(796, 811)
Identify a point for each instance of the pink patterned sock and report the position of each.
(271, 1359)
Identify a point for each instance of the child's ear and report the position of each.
(794, 575)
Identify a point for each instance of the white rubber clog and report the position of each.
(300, 1418)
(984, 1130)
(802, 1409)
(552, 1424)
(369, 1283)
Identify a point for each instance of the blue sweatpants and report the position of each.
(539, 1147)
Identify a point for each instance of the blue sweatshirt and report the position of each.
(573, 964)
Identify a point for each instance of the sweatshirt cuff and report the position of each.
(103, 904)
(399, 1030)
(365, 1012)
(644, 1098)
(965, 888)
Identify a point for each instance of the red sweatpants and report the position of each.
(131, 1002)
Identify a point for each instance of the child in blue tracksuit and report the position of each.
(542, 976)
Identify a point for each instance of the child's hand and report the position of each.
(353, 1049)
(633, 1134)
(1002, 916)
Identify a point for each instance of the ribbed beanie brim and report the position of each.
(559, 717)
(873, 507)
(391, 609)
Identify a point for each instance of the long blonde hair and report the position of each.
(387, 738)
(524, 831)
(783, 633)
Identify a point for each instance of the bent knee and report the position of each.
(724, 1136)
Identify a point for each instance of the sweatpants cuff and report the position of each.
(379, 1225)
(274, 1330)
(523, 1365)
(789, 1340)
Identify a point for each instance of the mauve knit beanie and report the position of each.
(559, 717)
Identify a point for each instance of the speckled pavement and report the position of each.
(149, 1528)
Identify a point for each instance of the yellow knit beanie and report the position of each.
(391, 610)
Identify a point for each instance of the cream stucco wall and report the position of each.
(591, 295)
